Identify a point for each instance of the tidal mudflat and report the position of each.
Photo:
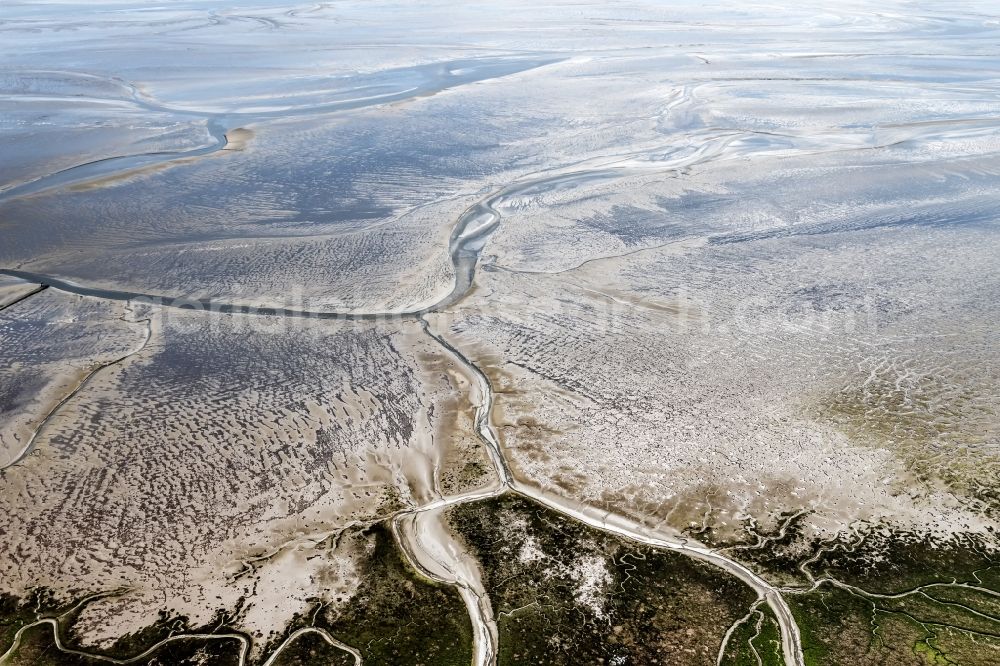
(405, 333)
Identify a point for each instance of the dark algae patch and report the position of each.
(396, 617)
(37, 643)
(38, 649)
(892, 564)
(14, 614)
(564, 593)
(776, 554)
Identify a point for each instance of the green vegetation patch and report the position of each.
(766, 641)
(564, 593)
(755, 641)
(398, 616)
(311, 648)
(896, 599)
(841, 626)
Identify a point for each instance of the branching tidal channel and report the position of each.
(467, 240)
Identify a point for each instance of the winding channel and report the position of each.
(243, 640)
(622, 526)
(466, 243)
(436, 558)
(469, 235)
(392, 86)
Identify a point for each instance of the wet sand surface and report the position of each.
(412, 333)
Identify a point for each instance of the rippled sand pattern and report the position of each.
(410, 333)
